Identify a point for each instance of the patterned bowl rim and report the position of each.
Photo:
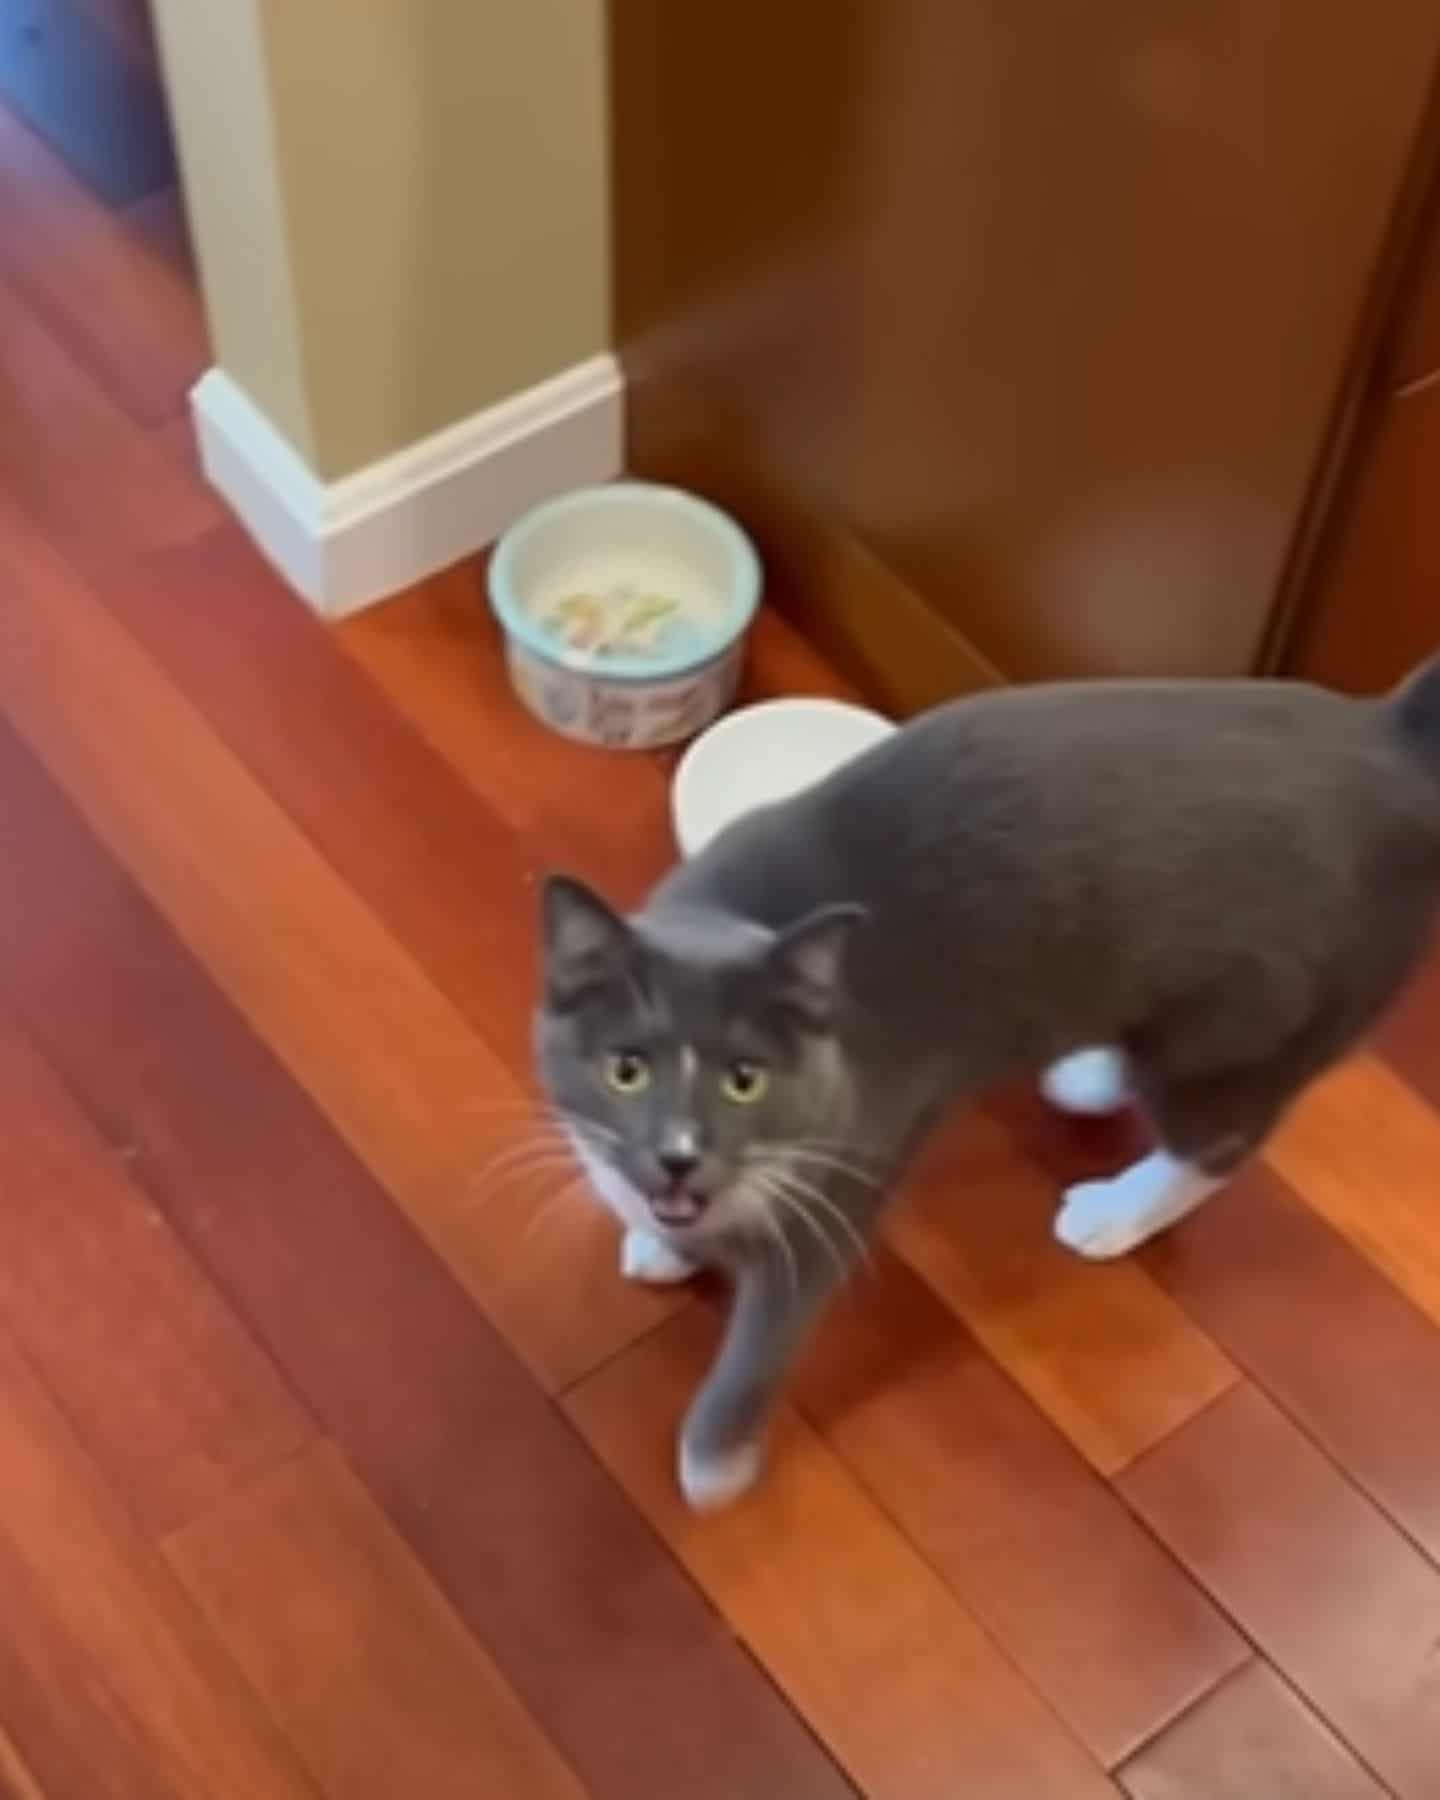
(742, 600)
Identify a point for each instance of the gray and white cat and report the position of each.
(1225, 881)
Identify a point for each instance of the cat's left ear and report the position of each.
(587, 943)
(807, 963)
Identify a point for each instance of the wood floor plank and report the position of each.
(167, 1389)
(1271, 1283)
(601, 816)
(16, 1781)
(604, 1640)
(123, 309)
(112, 1685)
(1409, 1035)
(895, 1677)
(451, 879)
(1328, 1589)
(1251, 1738)
(405, 1077)
(434, 652)
(362, 1662)
(71, 457)
(1097, 1346)
(1057, 1569)
(782, 662)
(1362, 1148)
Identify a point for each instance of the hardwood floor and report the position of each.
(328, 1472)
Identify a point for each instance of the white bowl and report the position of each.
(762, 754)
(656, 540)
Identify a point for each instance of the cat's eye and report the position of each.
(745, 1082)
(627, 1072)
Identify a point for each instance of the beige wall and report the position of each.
(400, 206)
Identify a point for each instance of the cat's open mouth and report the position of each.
(676, 1209)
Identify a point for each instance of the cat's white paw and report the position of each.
(645, 1257)
(1093, 1223)
(1090, 1083)
(711, 1482)
(1102, 1219)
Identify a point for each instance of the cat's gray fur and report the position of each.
(1227, 880)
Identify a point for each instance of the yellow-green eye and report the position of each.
(745, 1083)
(627, 1072)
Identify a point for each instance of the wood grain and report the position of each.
(1098, 1348)
(887, 1668)
(441, 867)
(565, 1587)
(1010, 1516)
(412, 1086)
(122, 309)
(112, 1687)
(71, 457)
(16, 1781)
(1362, 1148)
(1272, 1284)
(434, 653)
(1049, 320)
(1407, 1038)
(168, 1390)
(1250, 1738)
(1344, 1606)
(1373, 615)
(333, 1621)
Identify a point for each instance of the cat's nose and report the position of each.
(678, 1165)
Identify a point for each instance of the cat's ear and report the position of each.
(806, 963)
(587, 943)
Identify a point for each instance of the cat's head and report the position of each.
(694, 1056)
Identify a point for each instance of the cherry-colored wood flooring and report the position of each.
(330, 1467)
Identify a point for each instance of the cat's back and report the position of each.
(1116, 789)
(1081, 764)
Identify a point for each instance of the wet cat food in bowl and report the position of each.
(625, 610)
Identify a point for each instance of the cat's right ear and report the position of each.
(587, 943)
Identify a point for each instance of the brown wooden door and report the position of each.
(1373, 608)
(1018, 328)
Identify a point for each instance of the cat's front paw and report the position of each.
(711, 1480)
(645, 1257)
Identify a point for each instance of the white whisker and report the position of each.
(801, 1188)
(770, 1187)
(776, 1234)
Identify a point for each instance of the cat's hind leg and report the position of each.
(1206, 1129)
(1089, 1084)
(1109, 1218)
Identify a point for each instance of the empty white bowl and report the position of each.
(762, 754)
(635, 537)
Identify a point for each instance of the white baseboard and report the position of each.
(343, 544)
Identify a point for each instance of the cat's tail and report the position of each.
(1415, 706)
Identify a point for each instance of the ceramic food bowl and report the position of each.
(625, 610)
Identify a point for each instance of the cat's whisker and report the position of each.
(538, 1135)
(779, 1196)
(828, 1163)
(837, 1146)
(499, 1170)
(549, 1212)
(519, 1164)
(776, 1235)
(802, 1188)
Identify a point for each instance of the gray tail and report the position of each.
(1415, 705)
